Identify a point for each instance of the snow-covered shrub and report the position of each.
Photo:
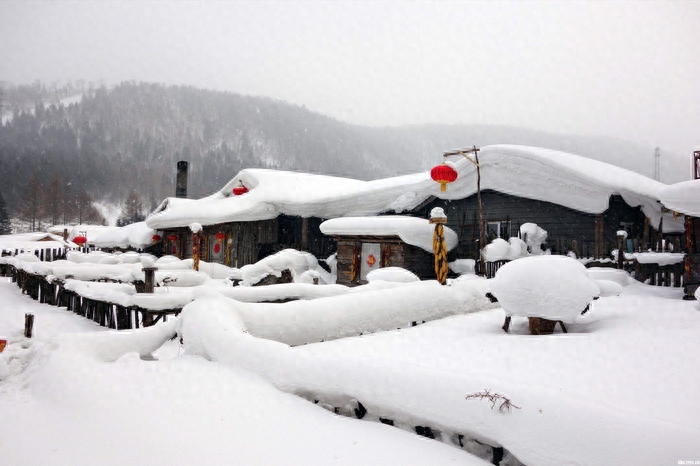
(502, 250)
(551, 287)
(296, 262)
(534, 236)
(392, 274)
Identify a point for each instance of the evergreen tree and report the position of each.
(132, 210)
(5, 226)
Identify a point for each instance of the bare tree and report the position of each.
(53, 198)
(32, 203)
(83, 203)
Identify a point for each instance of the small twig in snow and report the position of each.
(494, 398)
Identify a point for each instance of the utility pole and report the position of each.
(482, 233)
(657, 157)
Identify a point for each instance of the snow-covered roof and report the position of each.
(412, 230)
(682, 197)
(272, 193)
(136, 235)
(572, 181)
(33, 241)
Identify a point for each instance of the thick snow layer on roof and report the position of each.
(33, 242)
(89, 231)
(682, 197)
(566, 179)
(412, 230)
(272, 193)
(137, 235)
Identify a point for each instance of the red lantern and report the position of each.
(156, 238)
(80, 240)
(443, 174)
(220, 236)
(172, 237)
(238, 190)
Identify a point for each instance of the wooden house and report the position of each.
(684, 198)
(585, 234)
(581, 203)
(368, 243)
(260, 212)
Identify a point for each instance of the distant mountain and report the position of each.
(131, 136)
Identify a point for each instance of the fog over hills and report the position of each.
(129, 137)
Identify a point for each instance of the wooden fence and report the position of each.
(655, 274)
(107, 314)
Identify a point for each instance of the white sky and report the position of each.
(625, 69)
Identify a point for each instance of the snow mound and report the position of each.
(534, 236)
(551, 287)
(136, 235)
(392, 274)
(502, 250)
(27, 257)
(463, 266)
(606, 273)
(296, 262)
(608, 288)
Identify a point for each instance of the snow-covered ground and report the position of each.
(621, 388)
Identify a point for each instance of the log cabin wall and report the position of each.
(394, 252)
(248, 242)
(567, 229)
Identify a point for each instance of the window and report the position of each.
(497, 229)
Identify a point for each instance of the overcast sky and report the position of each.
(625, 69)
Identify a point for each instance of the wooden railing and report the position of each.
(107, 314)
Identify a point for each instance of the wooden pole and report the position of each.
(304, 234)
(620, 251)
(150, 279)
(28, 325)
(482, 233)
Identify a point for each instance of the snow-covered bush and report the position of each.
(502, 250)
(534, 236)
(296, 262)
(556, 288)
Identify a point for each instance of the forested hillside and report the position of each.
(112, 141)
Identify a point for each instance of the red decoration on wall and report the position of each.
(217, 248)
(156, 238)
(80, 240)
(173, 250)
(220, 236)
(371, 260)
(443, 174)
(172, 237)
(238, 190)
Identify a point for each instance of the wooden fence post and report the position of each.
(28, 325)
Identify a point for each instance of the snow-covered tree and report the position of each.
(5, 226)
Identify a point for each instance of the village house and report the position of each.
(580, 202)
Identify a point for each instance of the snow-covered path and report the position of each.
(66, 408)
